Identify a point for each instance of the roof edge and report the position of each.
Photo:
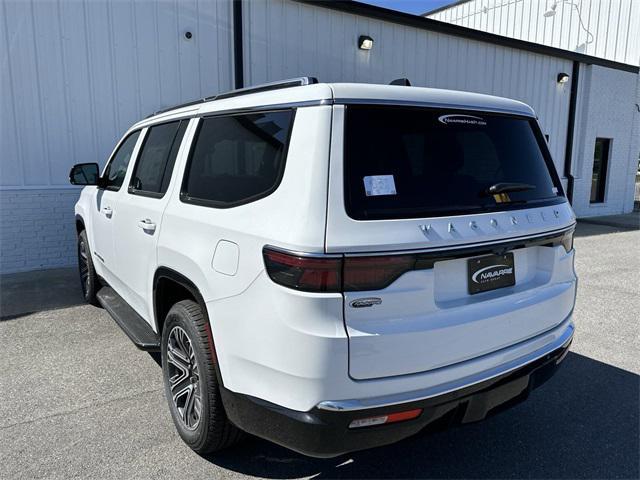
(444, 7)
(401, 18)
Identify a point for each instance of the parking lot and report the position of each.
(79, 400)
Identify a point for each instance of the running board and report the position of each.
(139, 331)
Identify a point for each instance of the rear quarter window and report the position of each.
(237, 159)
(416, 162)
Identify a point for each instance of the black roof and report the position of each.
(380, 13)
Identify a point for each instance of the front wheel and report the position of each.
(190, 382)
(89, 280)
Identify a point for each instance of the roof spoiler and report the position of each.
(404, 82)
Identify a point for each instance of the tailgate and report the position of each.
(427, 318)
(457, 187)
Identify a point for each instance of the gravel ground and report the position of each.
(79, 400)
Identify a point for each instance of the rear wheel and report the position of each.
(89, 280)
(190, 382)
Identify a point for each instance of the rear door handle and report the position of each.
(147, 225)
(107, 212)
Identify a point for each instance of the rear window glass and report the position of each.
(237, 159)
(415, 162)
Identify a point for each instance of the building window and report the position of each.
(600, 167)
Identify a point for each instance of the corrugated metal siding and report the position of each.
(287, 39)
(75, 74)
(614, 24)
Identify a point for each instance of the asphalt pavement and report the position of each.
(78, 400)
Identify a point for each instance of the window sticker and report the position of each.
(376, 185)
(462, 120)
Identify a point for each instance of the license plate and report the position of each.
(490, 272)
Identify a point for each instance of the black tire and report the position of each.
(89, 281)
(185, 337)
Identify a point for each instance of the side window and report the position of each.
(152, 172)
(237, 159)
(117, 168)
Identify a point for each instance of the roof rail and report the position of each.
(290, 82)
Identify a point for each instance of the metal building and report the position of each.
(75, 75)
(602, 28)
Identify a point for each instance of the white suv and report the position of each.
(333, 266)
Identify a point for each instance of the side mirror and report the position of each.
(84, 174)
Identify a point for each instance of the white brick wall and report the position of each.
(607, 109)
(37, 229)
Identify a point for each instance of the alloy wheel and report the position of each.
(184, 379)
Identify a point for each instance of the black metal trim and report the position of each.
(379, 13)
(238, 57)
(571, 123)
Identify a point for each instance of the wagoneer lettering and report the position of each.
(333, 267)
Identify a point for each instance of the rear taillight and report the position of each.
(306, 273)
(374, 273)
(335, 273)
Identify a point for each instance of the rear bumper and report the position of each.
(325, 433)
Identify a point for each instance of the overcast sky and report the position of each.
(410, 6)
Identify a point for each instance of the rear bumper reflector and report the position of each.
(384, 419)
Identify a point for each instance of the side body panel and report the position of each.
(249, 329)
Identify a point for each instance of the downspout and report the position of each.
(571, 124)
(238, 61)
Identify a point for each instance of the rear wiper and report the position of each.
(498, 188)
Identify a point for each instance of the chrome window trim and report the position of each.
(496, 243)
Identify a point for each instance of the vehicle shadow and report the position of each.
(587, 229)
(583, 423)
(30, 292)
